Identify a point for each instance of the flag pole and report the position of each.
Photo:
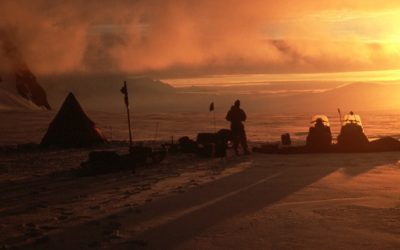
(124, 91)
(129, 125)
(215, 126)
(340, 117)
(212, 109)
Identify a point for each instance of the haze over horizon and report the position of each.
(302, 49)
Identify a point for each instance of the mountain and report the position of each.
(18, 85)
(18, 93)
(355, 96)
(146, 85)
(102, 92)
(295, 98)
(11, 101)
(147, 95)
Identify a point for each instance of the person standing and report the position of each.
(236, 116)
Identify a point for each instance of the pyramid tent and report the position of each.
(72, 127)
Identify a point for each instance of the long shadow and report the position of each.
(178, 218)
(360, 163)
(283, 182)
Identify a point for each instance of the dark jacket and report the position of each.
(236, 116)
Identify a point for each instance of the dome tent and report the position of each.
(72, 127)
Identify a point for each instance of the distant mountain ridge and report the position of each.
(103, 91)
(354, 96)
(148, 85)
(148, 95)
(361, 96)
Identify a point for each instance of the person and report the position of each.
(236, 116)
(319, 123)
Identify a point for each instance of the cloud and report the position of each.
(186, 37)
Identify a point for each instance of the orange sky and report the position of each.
(180, 39)
(378, 76)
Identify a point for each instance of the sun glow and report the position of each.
(382, 76)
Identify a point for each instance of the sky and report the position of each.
(188, 39)
(371, 76)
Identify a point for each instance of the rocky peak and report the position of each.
(25, 81)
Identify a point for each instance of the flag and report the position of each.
(211, 107)
(124, 90)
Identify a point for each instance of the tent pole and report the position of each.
(215, 126)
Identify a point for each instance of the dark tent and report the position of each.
(72, 127)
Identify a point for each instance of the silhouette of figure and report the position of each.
(319, 123)
(237, 116)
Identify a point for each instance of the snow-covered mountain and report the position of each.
(10, 99)
(19, 88)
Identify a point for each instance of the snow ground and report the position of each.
(333, 201)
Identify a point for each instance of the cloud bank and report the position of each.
(177, 38)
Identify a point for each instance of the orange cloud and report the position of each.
(184, 37)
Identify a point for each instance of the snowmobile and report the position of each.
(319, 136)
(352, 137)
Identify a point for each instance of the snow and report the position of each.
(331, 201)
(10, 99)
